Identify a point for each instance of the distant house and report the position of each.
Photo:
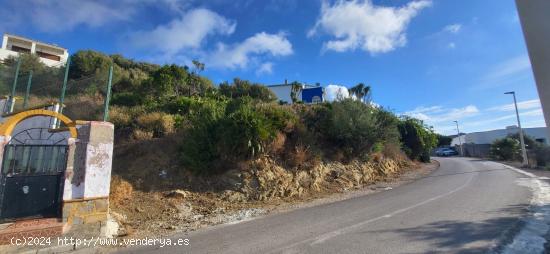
(308, 93)
(478, 144)
(50, 55)
(312, 95)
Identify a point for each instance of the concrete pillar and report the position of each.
(534, 16)
(33, 48)
(88, 174)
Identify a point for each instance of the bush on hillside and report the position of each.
(417, 139)
(353, 127)
(224, 133)
(243, 88)
(158, 123)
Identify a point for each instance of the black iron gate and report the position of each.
(31, 181)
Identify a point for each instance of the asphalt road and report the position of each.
(465, 206)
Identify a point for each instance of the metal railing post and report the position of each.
(64, 88)
(27, 92)
(108, 96)
(12, 96)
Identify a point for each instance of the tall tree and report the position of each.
(361, 92)
(295, 90)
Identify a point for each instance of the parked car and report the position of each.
(445, 152)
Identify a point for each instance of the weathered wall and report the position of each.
(88, 175)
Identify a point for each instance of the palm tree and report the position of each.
(295, 91)
(362, 92)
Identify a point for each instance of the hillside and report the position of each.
(195, 150)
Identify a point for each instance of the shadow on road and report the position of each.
(465, 236)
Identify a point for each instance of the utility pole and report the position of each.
(520, 132)
(459, 139)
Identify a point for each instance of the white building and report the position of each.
(283, 91)
(478, 144)
(488, 137)
(50, 55)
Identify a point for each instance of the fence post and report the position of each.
(108, 96)
(62, 98)
(26, 100)
(12, 97)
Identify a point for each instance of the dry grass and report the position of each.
(84, 107)
(120, 116)
(121, 190)
(157, 122)
(278, 144)
(138, 134)
(393, 151)
(299, 157)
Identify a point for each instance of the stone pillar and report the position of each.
(33, 48)
(534, 15)
(88, 175)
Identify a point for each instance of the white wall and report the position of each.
(488, 137)
(282, 92)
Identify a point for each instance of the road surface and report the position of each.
(465, 206)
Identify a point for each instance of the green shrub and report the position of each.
(352, 126)
(223, 133)
(127, 99)
(243, 88)
(506, 149)
(417, 139)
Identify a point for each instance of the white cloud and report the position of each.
(186, 32)
(239, 55)
(472, 119)
(453, 28)
(336, 92)
(438, 114)
(265, 68)
(63, 15)
(522, 105)
(511, 70)
(536, 112)
(361, 24)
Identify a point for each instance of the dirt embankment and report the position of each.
(150, 196)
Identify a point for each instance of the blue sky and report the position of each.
(436, 60)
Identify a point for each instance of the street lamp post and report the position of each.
(459, 139)
(521, 140)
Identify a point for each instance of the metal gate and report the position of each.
(31, 181)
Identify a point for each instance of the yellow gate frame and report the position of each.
(7, 127)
